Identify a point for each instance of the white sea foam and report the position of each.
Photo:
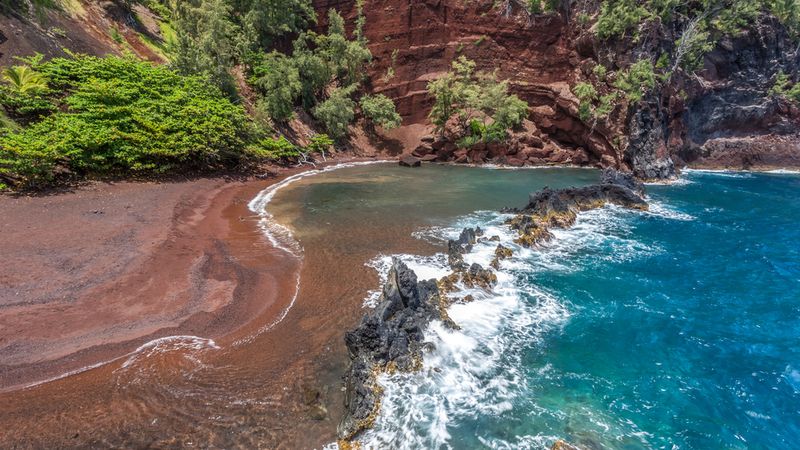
(663, 210)
(477, 370)
(722, 172)
(168, 344)
(426, 268)
(474, 370)
(159, 345)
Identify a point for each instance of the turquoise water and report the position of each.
(676, 329)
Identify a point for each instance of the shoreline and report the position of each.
(385, 343)
(183, 268)
(109, 351)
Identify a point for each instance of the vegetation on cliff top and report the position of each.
(698, 27)
(83, 115)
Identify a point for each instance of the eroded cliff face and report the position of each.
(720, 117)
(729, 118)
(81, 27)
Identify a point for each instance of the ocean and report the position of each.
(677, 328)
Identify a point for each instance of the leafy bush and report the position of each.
(586, 93)
(468, 95)
(600, 71)
(617, 17)
(635, 82)
(784, 87)
(337, 112)
(274, 148)
(380, 110)
(320, 143)
(480, 132)
(119, 114)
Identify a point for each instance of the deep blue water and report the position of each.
(694, 342)
(677, 329)
(674, 329)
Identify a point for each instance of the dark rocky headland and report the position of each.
(391, 337)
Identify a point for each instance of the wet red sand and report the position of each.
(92, 274)
(88, 276)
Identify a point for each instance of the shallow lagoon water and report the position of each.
(677, 328)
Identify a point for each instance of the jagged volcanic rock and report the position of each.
(559, 208)
(626, 179)
(388, 338)
(457, 248)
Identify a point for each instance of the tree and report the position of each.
(337, 112)
(264, 21)
(205, 41)
(474, 97)
(380, 110)
(452, 92)
(278, 81)
(347, 59)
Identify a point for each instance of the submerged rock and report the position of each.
(563, 445)
(388, 338)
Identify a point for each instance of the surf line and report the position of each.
(130, 356)
(276, 233)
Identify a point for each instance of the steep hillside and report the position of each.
(720, 115)
(708, 91)
(94, 28)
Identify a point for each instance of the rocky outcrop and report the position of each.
(457, 248)
(559, 208)
(625, 179)
(388, 338)
(647, 153)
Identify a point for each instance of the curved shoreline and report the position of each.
(187, 263)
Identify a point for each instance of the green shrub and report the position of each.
(320, 143)
(637, 81)
(617, 17)
(380, 110)
(118, 115)
(272, 148)
(586, 93)
(600, 71)
(337, 112)
(480, 132)
(784, 87)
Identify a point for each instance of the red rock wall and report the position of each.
(533, 52)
